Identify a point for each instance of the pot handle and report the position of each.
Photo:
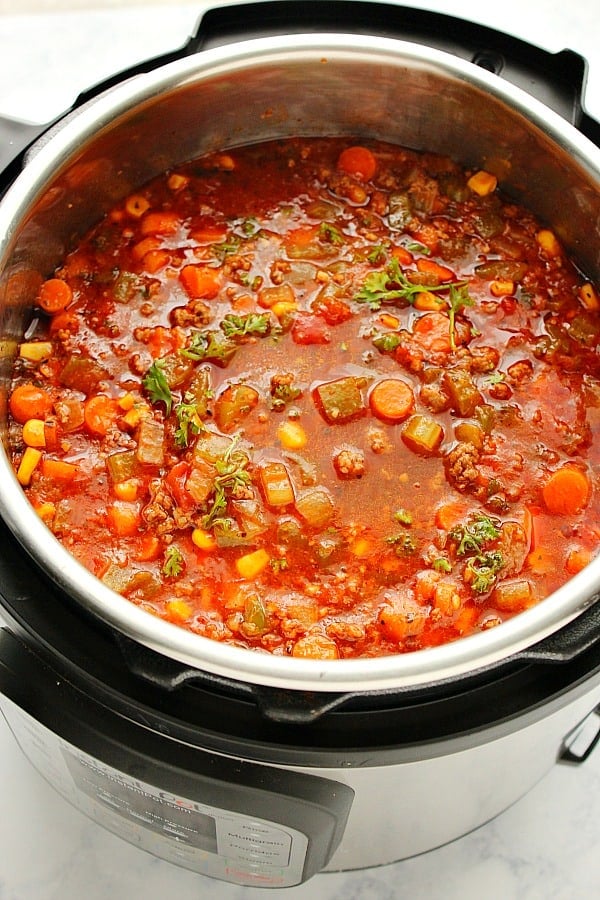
(575, 638)
(556, 79)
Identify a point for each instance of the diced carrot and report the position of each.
(361, 547)
(577, 559)
(392, 400)
(438, 272)
(566, 491)
(155, 260)
(100, 414)
(164, 222)
(58, 469)
(404, 256)
(483, 183)
(466, 619)
(55, 295)
(358, 161)
(541, 561)
(124, 518)
(28, 401)
(149, 548)
(145, 246)
(450, 514)
(200, 282)
(252, 564)
(210, 233)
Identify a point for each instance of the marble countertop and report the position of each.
(546, 846)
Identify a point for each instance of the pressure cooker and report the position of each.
(250, 768)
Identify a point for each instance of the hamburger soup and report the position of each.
(317, 398)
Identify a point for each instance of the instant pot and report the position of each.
(246, 767)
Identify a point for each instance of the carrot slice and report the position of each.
(55, 295)
(358, 161)
(566, 491)
(28, 401)
(391, 400)
(58, 469)
(100, 413)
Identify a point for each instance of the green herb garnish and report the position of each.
(457, 299)
(239, 326)
(483, 570)
(330, 233)
(157, 386)
(232, 478)
(209, 345)
(472, 536)
(174, 563)
(188, 423)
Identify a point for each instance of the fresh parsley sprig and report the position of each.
(157, 386)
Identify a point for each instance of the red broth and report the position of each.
(323, 399)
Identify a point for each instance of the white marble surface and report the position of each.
(543, 848)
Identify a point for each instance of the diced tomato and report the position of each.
(175, 482)
(310, 329)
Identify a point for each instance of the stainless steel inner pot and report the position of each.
(366, 87)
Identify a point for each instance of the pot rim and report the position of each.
(418, 668)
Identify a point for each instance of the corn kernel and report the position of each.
(292, 435)
(176, 182)
(46, 511)
(34, 433)
(389, 321)
(589, 297)
(126, 490)
(35, 351)
(203, 540)
(502, 288)
(252, 564)
(28, 464)
(179, 609)
(548, 242)
(483, 183)
(284, 308)
(427, 301)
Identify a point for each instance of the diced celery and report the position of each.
(341, 400)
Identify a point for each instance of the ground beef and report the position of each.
(349, 463)
(461, 466)
(196, 313)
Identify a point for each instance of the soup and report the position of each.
(317, 398)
